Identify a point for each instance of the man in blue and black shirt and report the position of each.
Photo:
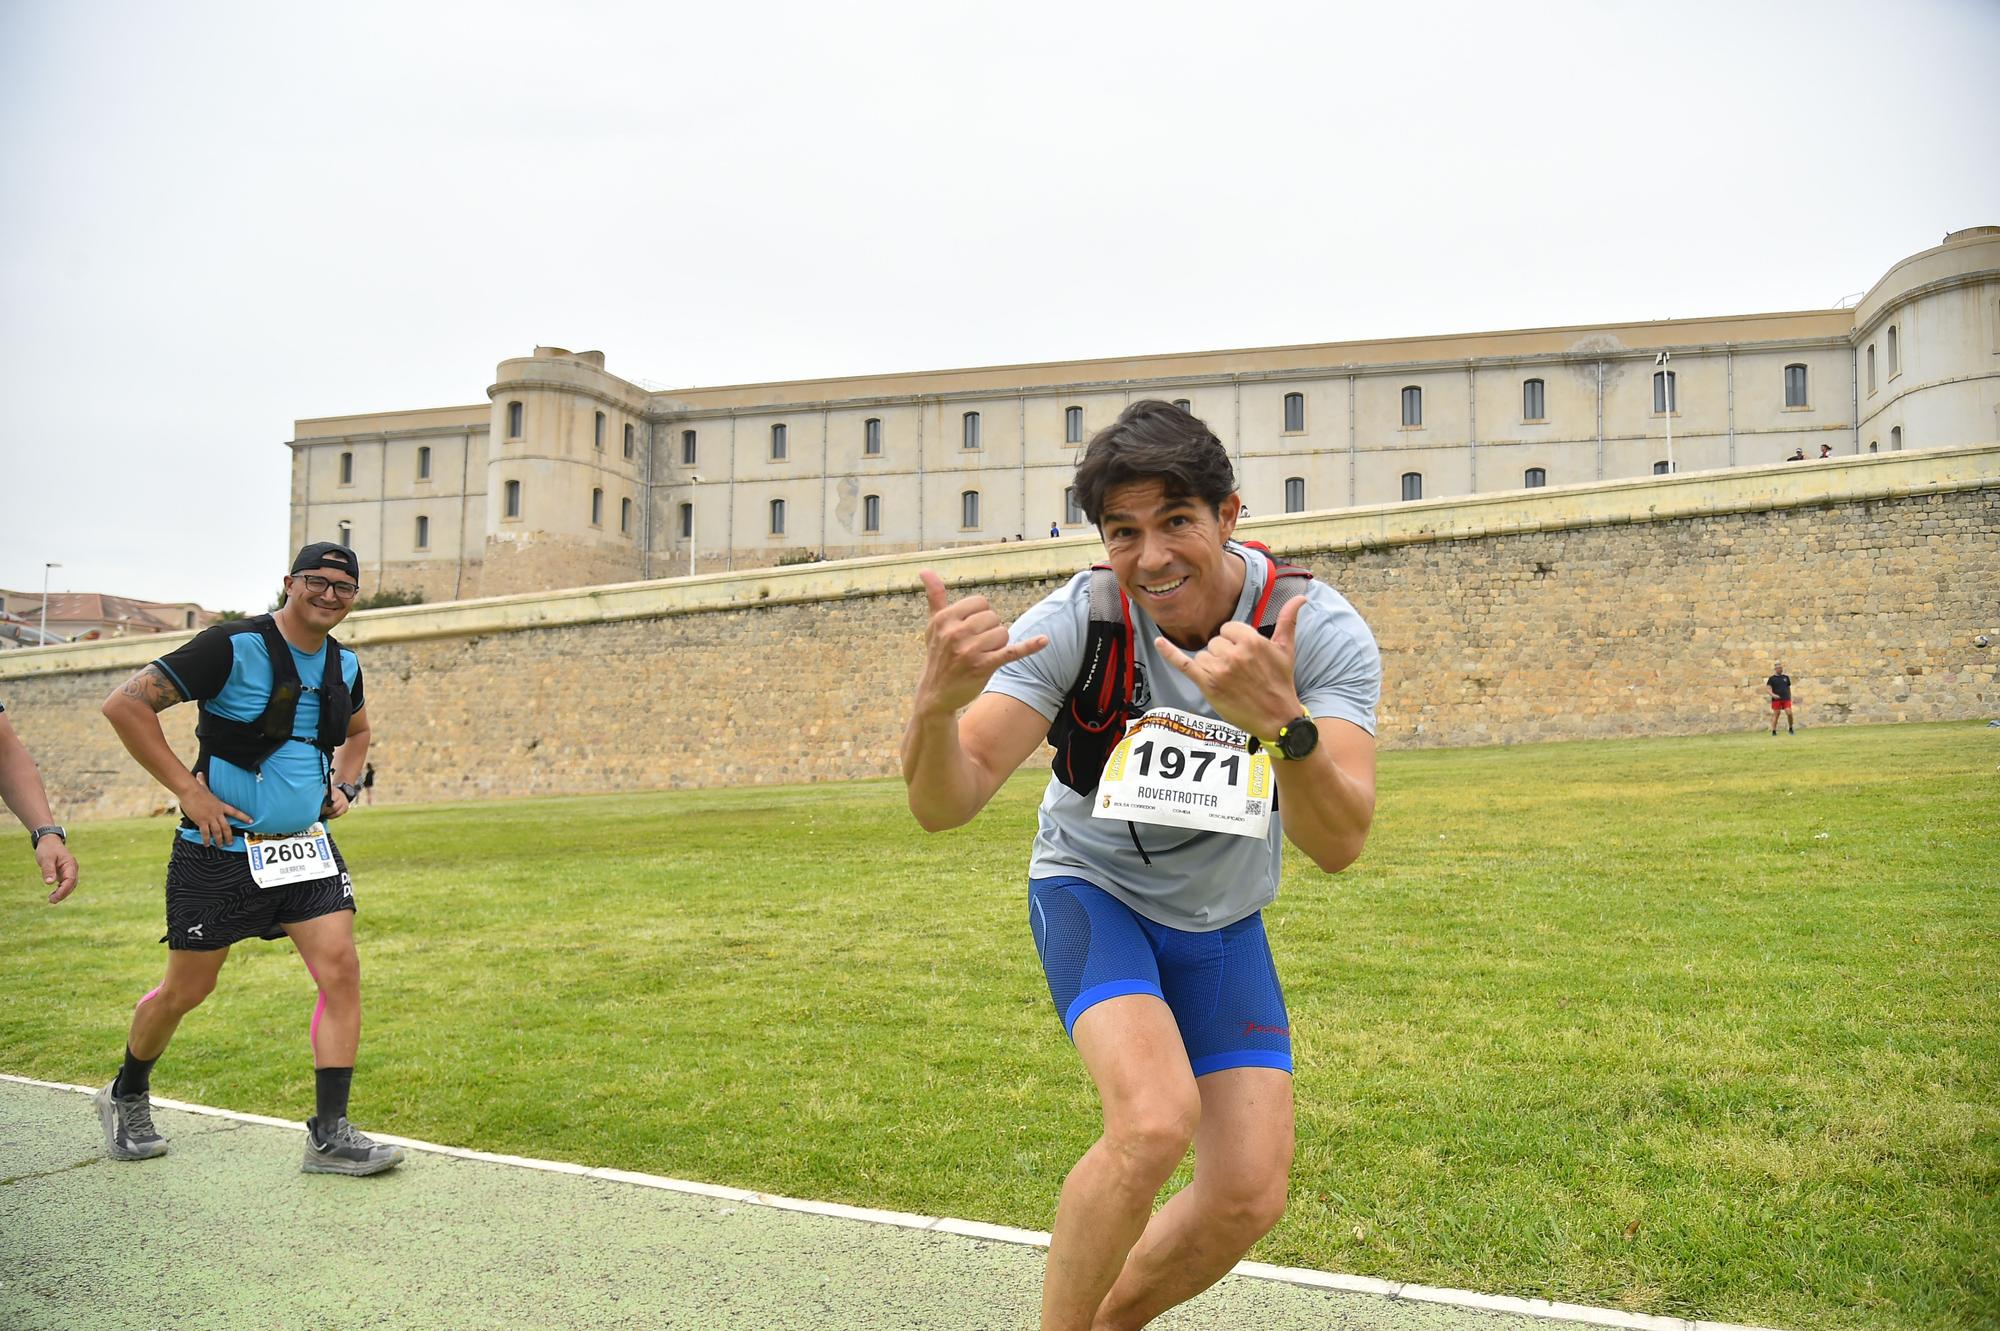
(283, 739)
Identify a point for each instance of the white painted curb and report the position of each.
(978, 1229)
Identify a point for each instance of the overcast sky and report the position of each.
(217, 218)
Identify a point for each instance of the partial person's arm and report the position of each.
(22, 791)
(1329, 795)
(952, 764)
(133, 709)
(348, 761)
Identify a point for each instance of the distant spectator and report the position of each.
(1825, 451)
(1055, 529)
(1780, 686)
(368, 784)
(1797, 456)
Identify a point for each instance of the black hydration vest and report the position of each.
(249, 744)
(1094, 716)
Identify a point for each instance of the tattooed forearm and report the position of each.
(152, 688)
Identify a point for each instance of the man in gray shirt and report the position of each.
(1147, 879)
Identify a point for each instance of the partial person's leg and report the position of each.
(190, 978)
(1242, 1175)
(125, 1107)
(1132, 1049)
(326, 945)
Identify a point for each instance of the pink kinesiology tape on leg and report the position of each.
(319, 1010)
(148, 995)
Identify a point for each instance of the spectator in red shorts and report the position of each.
(1780, 685)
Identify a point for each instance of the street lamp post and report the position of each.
(693, 480)
(45, 604)
(1667, 402)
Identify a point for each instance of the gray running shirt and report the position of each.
(1198, 881)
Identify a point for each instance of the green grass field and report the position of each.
(1688, 1026)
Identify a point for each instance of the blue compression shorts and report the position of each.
(1221, 986)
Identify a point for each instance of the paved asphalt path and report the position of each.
(225, 1232)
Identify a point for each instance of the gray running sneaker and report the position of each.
(342, 1150)
(129, 1133)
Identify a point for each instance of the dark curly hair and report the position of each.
(1154, 441)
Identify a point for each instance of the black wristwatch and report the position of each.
(35, 837)
(1297, 738)
(349, 789)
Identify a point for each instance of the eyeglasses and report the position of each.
(342, 590)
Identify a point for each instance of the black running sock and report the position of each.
(330, 1087)
(136, 1077)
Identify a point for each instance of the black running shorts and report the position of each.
(212, 901)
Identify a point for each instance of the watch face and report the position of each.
(1301, 738)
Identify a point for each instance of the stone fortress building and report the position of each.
(570, 476)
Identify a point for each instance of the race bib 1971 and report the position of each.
(1176, 769)
(279, 861)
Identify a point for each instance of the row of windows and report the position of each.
(1895, 358)
(516, 415)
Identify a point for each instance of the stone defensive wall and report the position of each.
(1637, 607)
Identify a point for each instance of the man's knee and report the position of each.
(1252, 1205)
(182, 994)
(1152, 1139)
(339, 975)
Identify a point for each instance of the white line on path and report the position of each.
(979, 1229)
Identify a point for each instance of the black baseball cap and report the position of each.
(328, 554)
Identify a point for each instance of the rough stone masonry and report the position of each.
(1631, 608)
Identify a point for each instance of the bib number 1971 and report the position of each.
(1176, 769)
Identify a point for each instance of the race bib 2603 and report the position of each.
(1176, 769)
(279, 861)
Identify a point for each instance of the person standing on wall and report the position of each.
(283, 739)
(21, 790)
(1152, 865)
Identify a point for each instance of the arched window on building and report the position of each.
(347, 468)
(1072, 425)
(1413, 485)
(1184, 404)
(346, 530)
(1895, 355)
(625, 516)
(1896, 439)
(1871, 367)
(778, 444)
(1872, 444)
(688, 448)
(968, 509)
(777, 517)
(1795, 385)
(1295, 413)
(597, 433)
(969, 428)
(1072, 510)
(1413, 407)
(1662, 467)
(1534, 401)
(423, 532)
(597, 508)
(1665, 398)
(513, 420)
(628, 441)
(1295, 494)
(423, 462)
(871, 437)
(513, 499)
(871, 513)
(1534, 478)
(687, 521)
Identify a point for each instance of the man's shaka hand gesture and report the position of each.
(964, 644)
(1246, 676)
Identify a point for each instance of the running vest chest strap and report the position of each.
(1093, 717)
(249, 744)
